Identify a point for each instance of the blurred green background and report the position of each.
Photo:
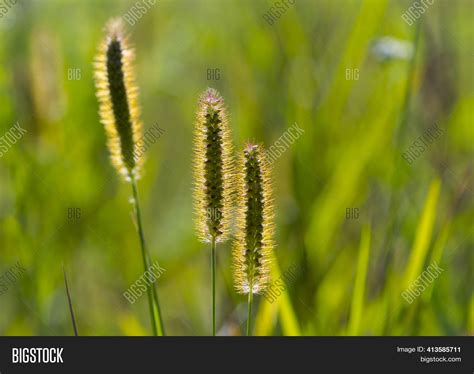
(318, 65)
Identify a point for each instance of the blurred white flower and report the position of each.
(388, 48)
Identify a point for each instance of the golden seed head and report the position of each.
(118, 100)
(254, 238)
(213, 168)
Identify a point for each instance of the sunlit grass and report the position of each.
(352, 271)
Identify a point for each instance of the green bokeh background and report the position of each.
(271, 76)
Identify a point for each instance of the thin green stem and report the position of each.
(155, 313)
(71, 309)
(249, 317)
(213, 281)
(161, 326)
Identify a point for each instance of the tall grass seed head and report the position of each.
(213, 168)
(118, 100)
(254, 237)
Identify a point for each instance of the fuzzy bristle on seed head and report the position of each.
(213, 168)
(118, 100)
(253, 242)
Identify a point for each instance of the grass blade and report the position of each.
(359, 287)
(71, 309)
(265, 320)
(423, 235)
(437, 254)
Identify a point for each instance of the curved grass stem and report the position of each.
(155, 312)
(71, 309)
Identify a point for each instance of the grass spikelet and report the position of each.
(213, 177)
(253, 243)
(118, 100)
(120, 115)
(212, 168)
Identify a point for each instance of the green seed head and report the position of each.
(118, 99)
(213, 168)
(253, 243)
